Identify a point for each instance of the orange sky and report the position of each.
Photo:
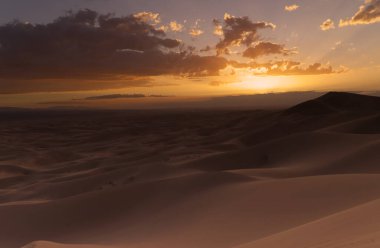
(185, 51)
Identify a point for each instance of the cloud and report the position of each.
(218, 27)
(86, 50)
(327, 25)
(115, 96)
(195, 29)
(58, 103)
(175, 26)
(121, 96)
(291, 8)
(149, 17)
(239, 31)
(368, 13)
(206, 49)
(87, 45)
(266, 48)
(288, 68)
(295, 68)
(196, 32)
(20, 86)
(337, 45)
(343, 47)
(160, 96)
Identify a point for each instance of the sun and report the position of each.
(260, 83)
(263, 84)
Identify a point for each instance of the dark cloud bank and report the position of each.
(86, 45)
(92, 46)
(121, 96)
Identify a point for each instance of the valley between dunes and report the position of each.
(304, 177)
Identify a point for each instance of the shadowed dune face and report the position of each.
(212, 179)
(338, 102)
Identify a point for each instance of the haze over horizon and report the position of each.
(60, 51)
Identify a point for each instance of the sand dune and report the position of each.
(300, 154)
(12, 171)
(337, 102)
(195, 211)
(357, 227)
(305, 177)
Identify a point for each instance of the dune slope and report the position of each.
(308, 176)
(357, 227)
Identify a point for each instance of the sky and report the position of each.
(116, 52)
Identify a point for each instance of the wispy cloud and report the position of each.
(327, 25)
(218, 27)
(368, 13)
(291, 8)
(196, 30)
(121, 96)
(175, 26)
(115, 96)
(289, 68)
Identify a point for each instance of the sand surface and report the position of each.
(308, 176)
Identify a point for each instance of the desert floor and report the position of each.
(303, 177)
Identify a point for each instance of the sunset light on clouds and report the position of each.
(89, 47)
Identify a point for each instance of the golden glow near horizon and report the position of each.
(236, 48)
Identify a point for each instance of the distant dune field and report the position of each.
(304, 177)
